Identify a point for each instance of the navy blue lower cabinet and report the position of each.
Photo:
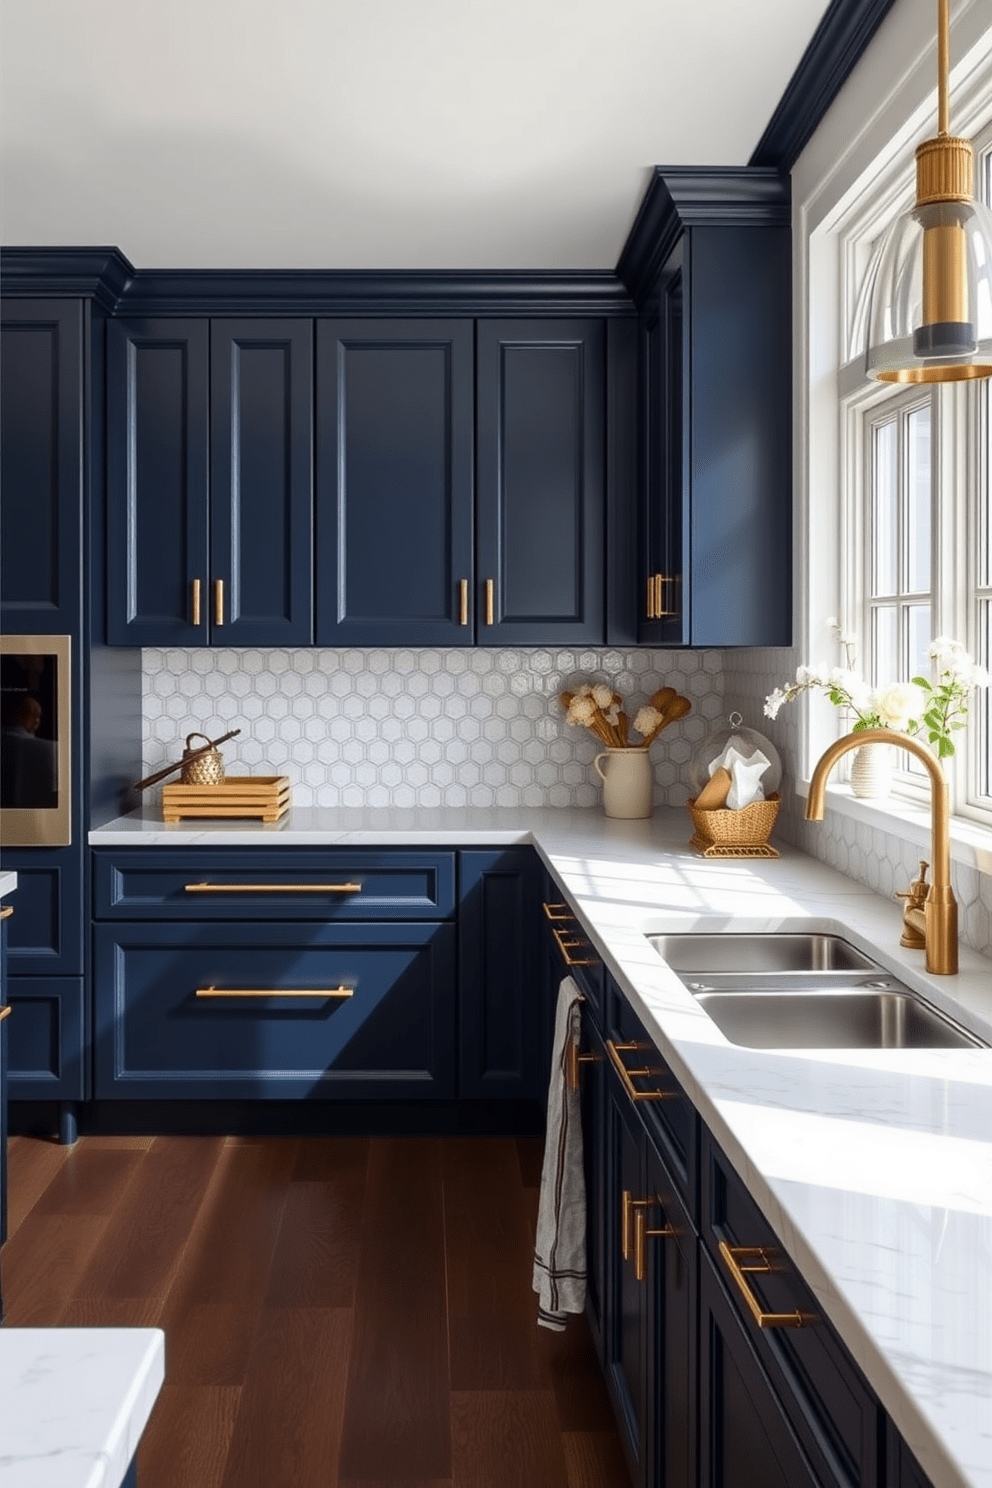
(45, 936)
(502, 1009)
(288, 1011)
(46, 1039)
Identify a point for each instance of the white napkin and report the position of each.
(746, 771)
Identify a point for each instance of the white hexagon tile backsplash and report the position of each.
(420, 727)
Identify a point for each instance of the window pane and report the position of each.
(918, 638)
(983, 701)
(885, 510)
(885, 656)
(918, 500)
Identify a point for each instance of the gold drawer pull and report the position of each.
(6, 912)
(628, 1205)
(557, 918)
(463, 601)
(566, 947)
(490, 589)
(218, 601)
(747, 1258)
(196, 588)
(650, 605)
(627, 1077)
(239, 888)
(5, 1011)
(574, 1060)
(275, 992)
(641, 1235)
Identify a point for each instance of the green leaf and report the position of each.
(922, 682)
(944, 748)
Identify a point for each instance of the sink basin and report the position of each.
(768, 954)
(853, 1018)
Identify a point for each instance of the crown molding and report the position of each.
(125, 291)
(838, 42)
(678, 197)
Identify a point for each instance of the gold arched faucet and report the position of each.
(940, 912)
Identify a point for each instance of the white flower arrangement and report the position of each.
(599, 708)
(934, 708)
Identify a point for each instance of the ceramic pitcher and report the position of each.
(628, 781)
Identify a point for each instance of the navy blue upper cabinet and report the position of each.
(41, 465)
(541, 410)
(395, 416)
(208, 483)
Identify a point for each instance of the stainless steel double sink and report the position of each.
(804, 990)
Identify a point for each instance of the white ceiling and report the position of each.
(449, 134)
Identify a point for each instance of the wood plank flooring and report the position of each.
(339, 1312)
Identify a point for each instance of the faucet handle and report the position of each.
(913, 933)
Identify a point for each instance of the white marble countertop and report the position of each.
(8, 883)
(74, 1402)
(874, 1167)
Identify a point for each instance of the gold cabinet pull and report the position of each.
(650, 605)
(463, 601)
(5, 1011)
(550, 912)
(490, 592)
(195, 592)
(6, 912)
(566, 947)
(628, 1207)
(627, 1077)
(741, 1259)
(575, 1059)
(279, 888)
(659, 596)
(218, 601)
(641, 1236)
(322, 992)
(672, 581)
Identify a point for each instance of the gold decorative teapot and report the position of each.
(201, 766)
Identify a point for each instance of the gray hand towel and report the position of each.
(560, 1252)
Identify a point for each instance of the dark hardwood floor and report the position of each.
(341, 1312)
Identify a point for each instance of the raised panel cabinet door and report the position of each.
(669, 1266)
(157, 482)
(541, 412)
(500, 986)
(41, 464)
(394, 472)
(46, 1039)
(664, 528)
(627, 1316)
(261, 486)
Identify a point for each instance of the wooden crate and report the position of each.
(263, 796)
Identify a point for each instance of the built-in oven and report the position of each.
(35, 741)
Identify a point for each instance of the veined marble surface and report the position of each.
(74, 1402)
(874, 1167)
(8, 883)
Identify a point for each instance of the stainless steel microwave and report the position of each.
(35, 741)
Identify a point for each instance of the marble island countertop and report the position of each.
(873, 1166)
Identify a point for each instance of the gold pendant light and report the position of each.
(930, 315)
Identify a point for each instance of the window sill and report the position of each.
(971, 844)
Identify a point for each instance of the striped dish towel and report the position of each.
(560, 1252)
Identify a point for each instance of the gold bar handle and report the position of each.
(322, 992)
(741, 1259)
(641, 1235)
(264, 888)
(490, 595)
(218, 601)
(463, 601)
(627, 1076)
(574, 1060)
(196, 589)
(650, 606)
(672, 609)
(566, 947)
(628, 1206)
(6, 912)
(5, 1011)
(557, 918)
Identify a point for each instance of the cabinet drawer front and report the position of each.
(45, 932)
(570, 953)
(339, 1011)
(45, 1038)
(670, 1117)
(282, 885)
(828, 1402)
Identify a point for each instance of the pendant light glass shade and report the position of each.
(930, 315)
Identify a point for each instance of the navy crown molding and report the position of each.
(698, 196)
(838, 42)
(126, 291)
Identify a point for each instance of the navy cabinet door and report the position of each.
(157, 482)
(47, 1048)
(541, 410)
(394, 482)
(261, 523)
(669, 1267)
(627, 1318)
(502, 1010)
(664, 554)
(41, 465)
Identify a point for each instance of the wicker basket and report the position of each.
(735, 834)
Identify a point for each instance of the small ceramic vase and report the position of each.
(872, 771)
(628, 782)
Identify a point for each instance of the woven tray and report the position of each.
(735, 834)
(262, 796)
